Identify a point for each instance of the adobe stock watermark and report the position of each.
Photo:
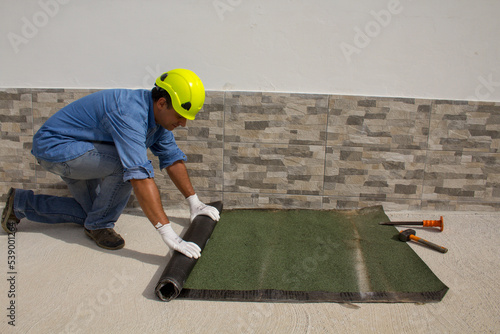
(323, 251)
(149, 79)
(485, 88)
(254, 319)
(12, 277)
(31, 27)
(223, 6)
(363, 37)
(88, 309)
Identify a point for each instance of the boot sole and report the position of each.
(100, 245)
(7, 211)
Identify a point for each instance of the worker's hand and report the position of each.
(190, 249)
(198, 208)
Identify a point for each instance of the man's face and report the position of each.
(168, 117)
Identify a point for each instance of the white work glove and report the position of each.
(190, 249)
(196, 207)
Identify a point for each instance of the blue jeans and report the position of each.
(95, 180)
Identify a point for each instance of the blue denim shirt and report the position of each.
(121, 116)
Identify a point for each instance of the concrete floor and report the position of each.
(64, 283)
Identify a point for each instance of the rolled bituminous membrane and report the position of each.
(179, 267)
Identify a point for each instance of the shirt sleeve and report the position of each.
(166, 149)
(129, 137)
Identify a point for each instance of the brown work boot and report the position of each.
(9, 219)
(106, 238)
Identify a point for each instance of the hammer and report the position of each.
(409, 234)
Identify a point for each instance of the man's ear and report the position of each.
(162, 102)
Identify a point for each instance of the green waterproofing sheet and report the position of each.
(310, 256)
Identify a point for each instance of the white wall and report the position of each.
(447, 49)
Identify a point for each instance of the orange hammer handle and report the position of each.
(429, 244)
(438, 223)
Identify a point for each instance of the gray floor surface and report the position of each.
(64, 283)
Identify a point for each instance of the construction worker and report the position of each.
(98, 145)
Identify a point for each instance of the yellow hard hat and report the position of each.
(186, 91)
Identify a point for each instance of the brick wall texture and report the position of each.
(279, 150)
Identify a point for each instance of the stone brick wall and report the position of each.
(280, 150)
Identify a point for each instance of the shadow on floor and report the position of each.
(74, 234)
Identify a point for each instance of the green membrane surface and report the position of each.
(341, 254)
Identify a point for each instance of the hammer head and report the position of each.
(405, 235)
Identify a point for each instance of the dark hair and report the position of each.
(158, 92)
